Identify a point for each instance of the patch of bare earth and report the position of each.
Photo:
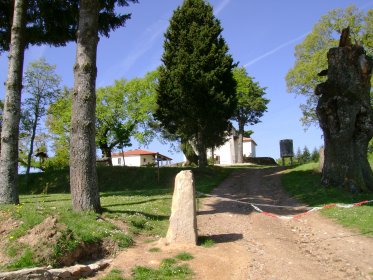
(250, 245)
(7, 224)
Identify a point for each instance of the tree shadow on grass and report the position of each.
(128, 212)
(135, 203)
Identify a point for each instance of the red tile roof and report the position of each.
(139, 152)
(247, 139)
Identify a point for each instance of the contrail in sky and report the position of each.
(275, 50)
(221, 6)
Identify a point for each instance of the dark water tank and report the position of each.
(286, 148)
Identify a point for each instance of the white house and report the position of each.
(228, 152)
(139, 158)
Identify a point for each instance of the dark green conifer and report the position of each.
(196, 93)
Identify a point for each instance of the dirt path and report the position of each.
(250, 245)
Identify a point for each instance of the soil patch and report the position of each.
(250, 245)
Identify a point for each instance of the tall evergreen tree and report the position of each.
(196, 93)
(251, 104)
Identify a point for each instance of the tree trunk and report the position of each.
(201, 148)
(29, 156)
(240, 143)
(189, 153)
(12, 109)
(106, 153)
(83, 176)
(346, 118)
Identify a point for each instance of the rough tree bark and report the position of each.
(241, 131)
(346, 118)
(83, 176)
(202, 151)
(12, 109)
(33, 134)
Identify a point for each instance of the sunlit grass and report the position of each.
(303, 182)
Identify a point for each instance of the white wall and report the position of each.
(249, 149)
(114, 161)
(225, 152)
(134, 160)
(146, 159)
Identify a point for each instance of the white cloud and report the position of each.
(221, 6)
(276, 49)
(144, 43)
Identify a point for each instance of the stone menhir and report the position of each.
(183, 220)
(346, 117)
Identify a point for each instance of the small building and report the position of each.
(228, 152)
(139, 158)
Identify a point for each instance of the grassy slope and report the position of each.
(303, 182)
(131, 195)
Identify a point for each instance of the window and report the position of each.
(144, 159)
(119, 161)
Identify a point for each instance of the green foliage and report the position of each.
(114, 274)
(169, 269)
(58, 124)
(196, 92)
(251, 103)
(298, 156)
(184, 256)
(315, 155)
(303, 182)
(310, 55)
(123, 110)
(154, 250)
(25, 260)
(206, 241)
(56, 24)
(306, 156)
(42, 86)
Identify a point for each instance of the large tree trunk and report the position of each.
(12, 109)
(346, 118)
(202, 151)
(189, 153)
(240, 143)
(83, 176)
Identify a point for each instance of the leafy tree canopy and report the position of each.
(55, 22)
(42, 86)
(251, 104)
(123, 110)
(311, 54)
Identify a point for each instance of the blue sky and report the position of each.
(261, 35)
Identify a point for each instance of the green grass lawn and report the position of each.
(303, 182)
(132, 196)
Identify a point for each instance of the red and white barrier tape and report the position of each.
(289, 217)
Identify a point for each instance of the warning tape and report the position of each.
(288, 217)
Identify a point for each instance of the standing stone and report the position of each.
(183, 220)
